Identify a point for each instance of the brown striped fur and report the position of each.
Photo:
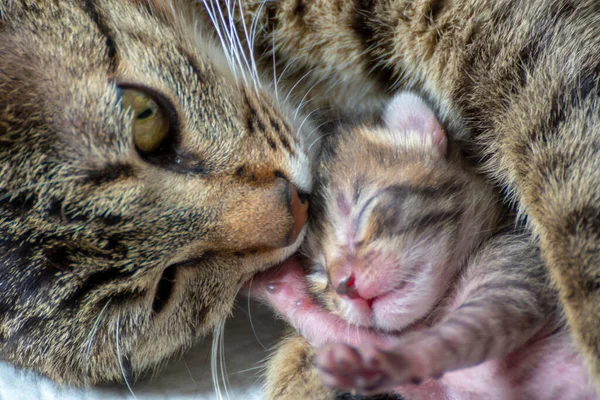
(111, 261)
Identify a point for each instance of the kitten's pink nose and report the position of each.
(347, 287)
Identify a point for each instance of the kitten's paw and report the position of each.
(348, 367)
(367, 369)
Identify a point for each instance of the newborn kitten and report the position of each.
(404, 241)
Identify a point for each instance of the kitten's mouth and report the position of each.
(284, 287)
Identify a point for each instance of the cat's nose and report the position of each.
(299, 211)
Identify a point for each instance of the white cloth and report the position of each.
(187, 379)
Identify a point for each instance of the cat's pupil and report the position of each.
(147, 113)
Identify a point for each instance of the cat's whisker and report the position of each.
(253, 31)
(214, 365)
(249, 43)
(306, 119)
(217, 362)
(289, 64)
(319, 136)
(250, 318)
(302, 104)
(224, 375)
(306, 75)
(235, 40)
(89, 344)
(187, 367)
(226, 35)
(227, 52)
(120, 357)
(275, 80)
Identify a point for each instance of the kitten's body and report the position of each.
(518, 81)
(400, 240)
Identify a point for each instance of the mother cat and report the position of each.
(142, 182)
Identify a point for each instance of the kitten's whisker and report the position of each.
(289, 64)
(240, 54)
(187, 367)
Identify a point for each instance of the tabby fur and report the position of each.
(112, 262)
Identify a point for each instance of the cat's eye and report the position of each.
(150, 125)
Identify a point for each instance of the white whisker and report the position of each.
(217, 363)
(120, 358)
(250, 318)
(275, 80)
(297, 83)
(211, 14)
(89, 343)
(249, 43)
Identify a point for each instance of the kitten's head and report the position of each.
(396, 213)
(142, 182)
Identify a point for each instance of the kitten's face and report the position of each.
(394, 221)
(140, 186)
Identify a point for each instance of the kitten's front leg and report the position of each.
(501, 303)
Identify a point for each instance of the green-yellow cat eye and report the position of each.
(150, 124)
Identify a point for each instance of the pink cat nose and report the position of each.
(347, 287)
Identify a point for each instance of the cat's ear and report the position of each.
(408, 112)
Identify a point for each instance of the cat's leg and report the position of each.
(291, 374)
(501, 303)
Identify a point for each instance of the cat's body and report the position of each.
(517, 81)
(400, 243)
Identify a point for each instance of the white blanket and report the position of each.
(189, 378)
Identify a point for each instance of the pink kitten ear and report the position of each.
(408, 112)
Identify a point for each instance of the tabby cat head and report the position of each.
(141, 184)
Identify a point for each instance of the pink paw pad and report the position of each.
(368, 369)
(347, 367)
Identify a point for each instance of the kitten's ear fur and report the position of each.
(408, 112)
